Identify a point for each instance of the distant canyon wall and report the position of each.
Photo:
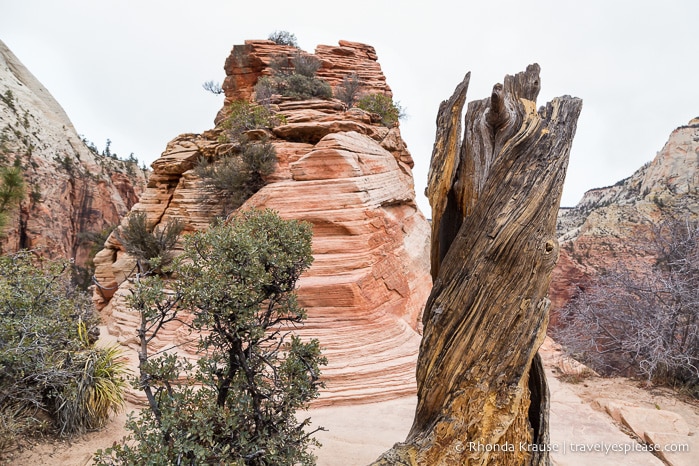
(609, 225)
(71, 192)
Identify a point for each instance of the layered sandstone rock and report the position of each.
(70, 190)
(351, 178)
(248, 62)
(607, 226)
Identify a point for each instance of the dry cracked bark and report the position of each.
(495, 197)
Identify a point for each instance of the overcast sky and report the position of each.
(132, 70)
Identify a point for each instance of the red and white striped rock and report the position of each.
(351, 179)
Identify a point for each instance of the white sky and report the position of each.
(131, 70)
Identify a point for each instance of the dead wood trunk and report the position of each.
(482, 394)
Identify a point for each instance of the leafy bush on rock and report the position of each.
(244, 116)
(383, 105)
(294, 78)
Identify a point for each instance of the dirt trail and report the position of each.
(357, 434)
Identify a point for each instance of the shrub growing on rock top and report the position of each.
(295, 78)
(283, 38)
(240, 174)
(383, 105)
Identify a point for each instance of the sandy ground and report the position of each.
(358, 434)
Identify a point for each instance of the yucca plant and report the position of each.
(97, 390)
(105, 369)
(99, 387)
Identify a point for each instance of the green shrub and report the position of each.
(294, 78)
(283, 38)
(300, 87)
(239, 175)
(245, 116)
(238, 404)
(52, 376)
(11, 191)
(152, 249)
(383, 105)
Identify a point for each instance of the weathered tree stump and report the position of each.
(482, 393)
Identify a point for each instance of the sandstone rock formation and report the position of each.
(605, 228)
(350, 177)
(71, 191)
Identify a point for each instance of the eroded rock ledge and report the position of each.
(351, 178)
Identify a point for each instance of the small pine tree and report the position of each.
(152, 249)
(238, 281)
(107, 152)
(11, 191)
